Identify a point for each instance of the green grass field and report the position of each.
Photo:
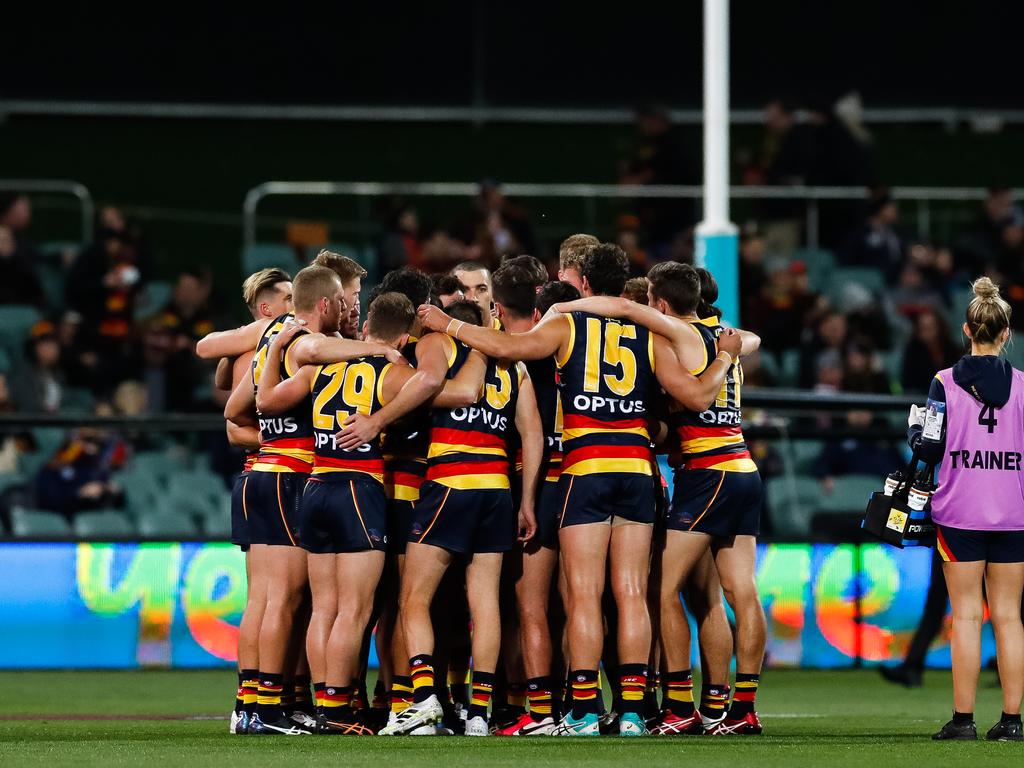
(811, 718)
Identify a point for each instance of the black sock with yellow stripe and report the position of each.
(250, 689)
(337, 699)
(240, 693)
(401, 693)
(380, 695)
(480, 694)
(713, 698)
(538, 691)
(422, 672)
(584, 692)
(318, 696)
(677, 693)
(268, 698)
(517, 698)
(303, 699)
(746, 694)
(632, 685)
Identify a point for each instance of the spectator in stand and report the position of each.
(782, 305)
(188, 312)
(914, 293)
(780, 161)
(824, 344)
(863, 369)
(855, 455)
(38, 385)
(78, 477)
(628, 237)
(752, 274)
(21, 284)
(102, 287)
(80, 363)
(400, 246)
(447, 288)
(876, 243)
(929, 349)
(169, 385)
(982, 244)
(496, 227)
(661, 156)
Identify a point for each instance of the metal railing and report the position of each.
(58, 186)
(590, 193)
(944, 116)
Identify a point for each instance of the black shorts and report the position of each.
(343, 515)
(239, 524)
(400, 514)
(464, 521)
(547, 509)
(956, 545)
(272, 500)
(716, 502)
(607, 497)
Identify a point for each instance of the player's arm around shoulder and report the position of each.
(693, 392)
(543, 340)
(273, 395)
(232, 343)
(466, 386)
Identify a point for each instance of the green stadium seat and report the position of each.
(16, 320)
(195, 492)
(1014, 352)
(110, 523)
(37, 523)
(872, 279)
(850, 493)
(820, 267)
(803, 454)
(159, 524)
(217, 522)
(58, 247)
(13, 480)
(153, 298)
(768, 362)
(789, 368)
(792, 500)
(159, 465)
(263, 255)
(142, 490)
(52, 279)
(76, 400)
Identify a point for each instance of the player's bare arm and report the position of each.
(232, 343)
(750, 342)
(464, 389)
(424, 384)
(317, 349)
(242, 436)
(222, 378)
(240, 408)
(694, 392)
(274, 395)
(544, 340)
(531, 435)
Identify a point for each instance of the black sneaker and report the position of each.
(953, 732)
(901, 674)
(279, 726)
(1005, 730)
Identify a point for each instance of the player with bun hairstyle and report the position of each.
(974, 425)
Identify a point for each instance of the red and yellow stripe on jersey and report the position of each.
(405, 443)
(250, 459)
(340, 390)
(713, 439)
(286, 440)
(606, 375)
(545, 379)
(468, 446)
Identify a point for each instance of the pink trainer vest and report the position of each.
(981, 485)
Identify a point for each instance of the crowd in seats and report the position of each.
(875, 308)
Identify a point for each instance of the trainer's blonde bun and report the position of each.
(988, 315)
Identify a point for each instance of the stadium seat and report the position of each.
(789, 368)
(872, 279)
(37, 523)
(217, 522)
(264, 255)
(13, 480)
(850, 493)
(110, 523)
(792, 500)
(957, 312)
(16, 320)
(159, 524)
(1015, 352)
(142, 490)
(159, 465)
(768, 362)
(820, 267)
(52, 279)
(76, 400)
(802, 454)
(153, 298)
(197, 493)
